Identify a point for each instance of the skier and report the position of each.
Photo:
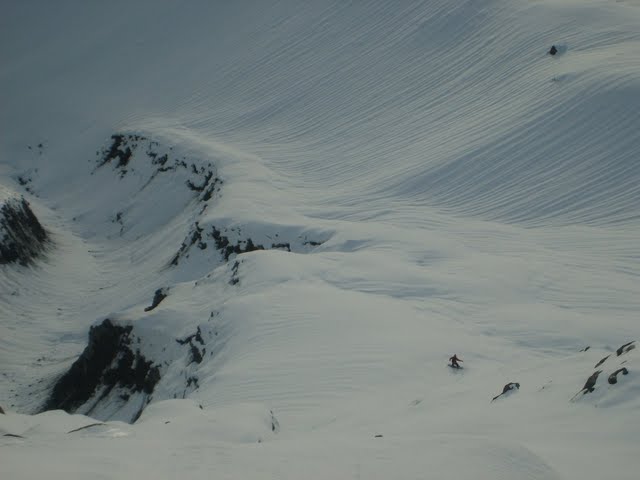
(454, 361)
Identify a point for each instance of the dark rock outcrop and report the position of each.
(602, 361)
(553, 50)
(120, 149)
(222, 243)
(227, 248)
(107, 361)
(209, 184)
(613, 378)
(235, 277)
(197, 355)
(590, 384)
(507, 388)
(22, 237)
(1, 410)
(626, 347)
(125, 147)
(158, 297)
(85, 427)
(275, 425)
(195, 238)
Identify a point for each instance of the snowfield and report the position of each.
(270, 223)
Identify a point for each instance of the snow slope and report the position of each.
(334, 197)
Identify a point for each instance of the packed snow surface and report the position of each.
(292, 213)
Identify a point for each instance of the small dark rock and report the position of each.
(590, 384)
(626, 347)
(196, 237)
(119, 151)
(591, 381)
(601, 361)
(377, 436)
(85, 427)
(158, 297)
(508, 387)
(553, 50)
(283, 246)
(193, 381)
(234, 273)
(613, 378)
(1, 411)
(195, 336)
(196, 355)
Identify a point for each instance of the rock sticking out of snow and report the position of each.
(506, 389)
(22, 237)
(158, 297)
(107, 361)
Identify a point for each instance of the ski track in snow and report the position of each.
(444, 184)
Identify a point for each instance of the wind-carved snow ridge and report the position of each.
(22, 237)
(148, 167)
(154, 350)
(230, 241)
(123, 146)
(155, 184)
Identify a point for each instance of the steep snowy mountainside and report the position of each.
(460, 101)
(272, 222)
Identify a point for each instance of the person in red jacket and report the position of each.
(454, 361)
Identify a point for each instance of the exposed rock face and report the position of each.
(613, 378)
(120, 149)
(197, 355)
(124, 148)
(108, 361)
(626, 348)
(22, 237)
(230, 242)
(590, 384)
(507, 388)
(158, 297)
(602, 361)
